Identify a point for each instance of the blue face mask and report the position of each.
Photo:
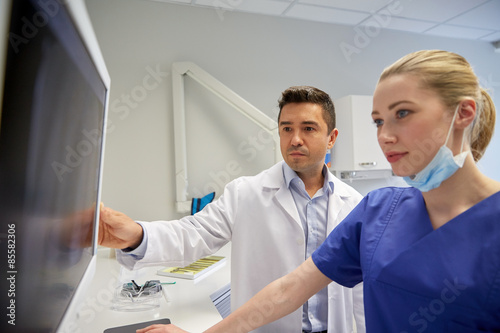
(442, 166)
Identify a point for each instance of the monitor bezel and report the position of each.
(79, 17)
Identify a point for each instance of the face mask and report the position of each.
(442, 166)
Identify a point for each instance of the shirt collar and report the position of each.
(289, 175)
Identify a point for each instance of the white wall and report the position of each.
(255, 55)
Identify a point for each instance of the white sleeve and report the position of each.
(358, 308)
(181, 242)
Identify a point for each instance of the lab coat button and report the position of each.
(300, 241)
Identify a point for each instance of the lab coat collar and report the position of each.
(274, 179)
(290, 175)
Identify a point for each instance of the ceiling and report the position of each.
(467, 19)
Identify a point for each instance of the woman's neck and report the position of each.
(464, 189)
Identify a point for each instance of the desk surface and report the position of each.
(187, 303)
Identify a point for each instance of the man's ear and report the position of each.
(466, 113)
(332, 137)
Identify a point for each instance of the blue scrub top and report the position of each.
(415, 278)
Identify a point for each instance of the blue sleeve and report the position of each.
(339, 256)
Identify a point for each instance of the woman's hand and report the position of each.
(161, 329)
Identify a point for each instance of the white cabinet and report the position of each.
(356, 153)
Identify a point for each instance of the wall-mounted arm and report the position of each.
(179, 71)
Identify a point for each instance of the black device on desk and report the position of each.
(133, 327)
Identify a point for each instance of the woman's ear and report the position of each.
(466, 113)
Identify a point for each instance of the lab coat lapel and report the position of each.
(283, 196)
(285, 199)
(335, 206)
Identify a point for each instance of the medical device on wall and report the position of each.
(179, 71)
(356, 153)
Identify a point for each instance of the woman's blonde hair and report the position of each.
(453, 79)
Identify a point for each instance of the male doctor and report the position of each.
(275, 220)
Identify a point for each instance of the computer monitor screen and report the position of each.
(51, 142)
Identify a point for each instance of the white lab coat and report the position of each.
(259, 216)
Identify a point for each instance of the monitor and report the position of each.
(52, 130)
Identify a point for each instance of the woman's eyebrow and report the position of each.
(393, 105)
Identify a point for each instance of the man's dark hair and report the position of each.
(307, 94)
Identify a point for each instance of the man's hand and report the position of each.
(161, 329)
(117, 230)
